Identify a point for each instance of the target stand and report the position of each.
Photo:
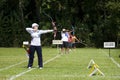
(57, 42)
(109, 45)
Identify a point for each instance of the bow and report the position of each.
(55, 29)
(53, 24)
(73, 29)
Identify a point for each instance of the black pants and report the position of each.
(39, 54)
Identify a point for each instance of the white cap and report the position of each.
(63, 29)
(35, 24)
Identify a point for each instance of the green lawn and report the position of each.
(71, 66)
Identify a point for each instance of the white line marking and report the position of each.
(12, 65)
(73, 76)
(20, 74)
(115, 62)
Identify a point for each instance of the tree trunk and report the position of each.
(21, 14)
(37, 10)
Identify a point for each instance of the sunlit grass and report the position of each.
(71, 66)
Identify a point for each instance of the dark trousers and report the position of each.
(39, 54)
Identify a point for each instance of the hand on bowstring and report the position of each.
(54, 26)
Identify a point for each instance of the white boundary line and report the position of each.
(74, 76)
(22, 73)
(12, 65)
(2, 69)
(115, 62)
(70, 75)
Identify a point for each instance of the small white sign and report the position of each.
(26, 42)
(109, 44)
(57, 42)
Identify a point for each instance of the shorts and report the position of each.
(70, 45)
(65, 45)
(73, 45)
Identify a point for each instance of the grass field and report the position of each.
(71, 66)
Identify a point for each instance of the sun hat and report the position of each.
(35, 24)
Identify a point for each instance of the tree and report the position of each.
(95, 21)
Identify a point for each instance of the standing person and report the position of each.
(65, 45)
(70, 40)
(35, 44)
(74, 38)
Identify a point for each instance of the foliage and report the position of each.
(95, 21)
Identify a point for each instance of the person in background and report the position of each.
(35, 44)
(74, 39)
(70, 40)
(65, 45)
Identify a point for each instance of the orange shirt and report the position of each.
(73, 39)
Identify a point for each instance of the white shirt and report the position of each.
(64, 36)
(36, 40)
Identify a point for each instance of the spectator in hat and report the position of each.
(64, 38)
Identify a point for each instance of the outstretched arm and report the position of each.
(29, 30)
(45, 31)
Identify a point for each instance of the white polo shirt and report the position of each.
(64, 36)
(36, 40)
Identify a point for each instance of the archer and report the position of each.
(35, 44)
